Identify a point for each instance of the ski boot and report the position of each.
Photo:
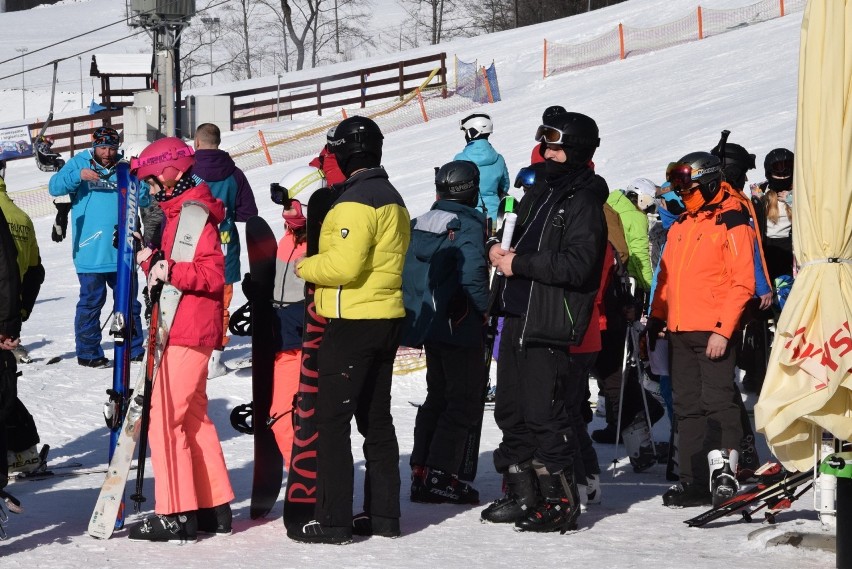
(637, 440)
(590, 492)
(561, 505)
(687, 495)
(175, 528)
(723, 479)
(521, 495)
(369, 525)
(433, 486)
(216, 521)
(28, 461)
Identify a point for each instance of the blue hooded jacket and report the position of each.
(493, 175)
(94, 212)
(445, 279)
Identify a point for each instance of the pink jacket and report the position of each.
(198, 321)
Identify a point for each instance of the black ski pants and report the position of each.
(455, 382)
(8, 397)
(707, 415)
(579, 366)
(355, 373)
(530, 406)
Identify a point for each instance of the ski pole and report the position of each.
(624, 373)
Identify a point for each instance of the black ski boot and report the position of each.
(216, 520)
(561, 505)
(175, 528)
(686, 495)
(521, 496)
(367, 524)
(433, 486)
(606, 436)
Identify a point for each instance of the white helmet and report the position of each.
(299, 179)
(477, 125)
(645, 191)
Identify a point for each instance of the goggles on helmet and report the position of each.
(781, 169)
(679, 175)
(280, 195)
(105, 136)
(549, 135)
(525, 178)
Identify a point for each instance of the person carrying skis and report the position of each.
(10, 329)
(288, 300)
(493, 173)
(29, 259)
(90, 179)
(229, 184)
(192, 488)
(445, 289)
(358, 278)
(706, 277)
(553, 272)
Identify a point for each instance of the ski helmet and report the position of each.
(525, 178)
(356, 144)
(737, 161)
(701, 167)
(165, 159)
(641, 191)
(105, 136)
(477, 125)
(778, 167)
(575, 132)
(458, 181)
(552, 111)
(301, 178)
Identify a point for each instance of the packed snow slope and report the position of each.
(651, 109)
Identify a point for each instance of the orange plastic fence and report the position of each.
(624, 40)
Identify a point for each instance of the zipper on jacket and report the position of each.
(532, 282)
(337, 298)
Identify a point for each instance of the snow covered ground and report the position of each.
(651, 109)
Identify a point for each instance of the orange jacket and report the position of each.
(707, 269)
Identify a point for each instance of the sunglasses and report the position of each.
(549, 135)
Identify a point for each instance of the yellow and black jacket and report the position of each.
(358, 270)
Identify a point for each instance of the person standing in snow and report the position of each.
(228, 184)
(90, 179)
(10, 329)
(445, 289)
(553, 272)
(29, 259)
(493, 174)
(192, 488)
(358, 278)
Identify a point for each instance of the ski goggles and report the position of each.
(679, 175)
(781, 169)
(525, 178)
(279, 195)
(549, 135)
(105, 136)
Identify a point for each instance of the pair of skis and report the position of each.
(109, 505)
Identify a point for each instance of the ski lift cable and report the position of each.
(122, 21)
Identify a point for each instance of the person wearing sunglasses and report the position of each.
(706, 278)
(553, 271)
(89, 179)
(493, 173)
(192, 489)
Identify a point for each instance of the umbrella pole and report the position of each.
(844, 523)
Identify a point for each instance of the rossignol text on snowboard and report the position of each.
(300, 498)
(470, 456)
(122, 322)
(268, 461)
(193, 218)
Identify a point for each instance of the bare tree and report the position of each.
(436, 19)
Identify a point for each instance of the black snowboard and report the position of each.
(268, 462)
(301, 495)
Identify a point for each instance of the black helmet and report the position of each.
(458, 181)
(778, 167)
(737, 161)
(356, 143)
(552, 111)
(701, 167)
(575, 132)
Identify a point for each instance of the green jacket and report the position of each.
(30, 268)
(636, 232)
(362, 245)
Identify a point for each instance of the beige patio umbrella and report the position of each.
(809, 378)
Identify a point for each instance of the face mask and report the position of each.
(693, 201)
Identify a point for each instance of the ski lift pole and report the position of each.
(49, 118)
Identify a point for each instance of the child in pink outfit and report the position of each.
(192, 487)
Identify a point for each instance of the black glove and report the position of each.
(653, 329)
(60, 224)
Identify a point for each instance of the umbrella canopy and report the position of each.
(809, 380)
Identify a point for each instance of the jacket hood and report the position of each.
(481, 152)
(213, 165)
(200, 193)
(460, 209)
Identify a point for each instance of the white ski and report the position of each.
(193, 217)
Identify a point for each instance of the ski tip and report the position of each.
(53, 360)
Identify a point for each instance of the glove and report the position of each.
(652, 330)
(158, 273)
(60, 224)
(143, 255)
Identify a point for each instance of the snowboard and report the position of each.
(268, 461)
(193, 218)
(300, 497)
(122, 322)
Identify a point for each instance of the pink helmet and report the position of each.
(168, 157)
